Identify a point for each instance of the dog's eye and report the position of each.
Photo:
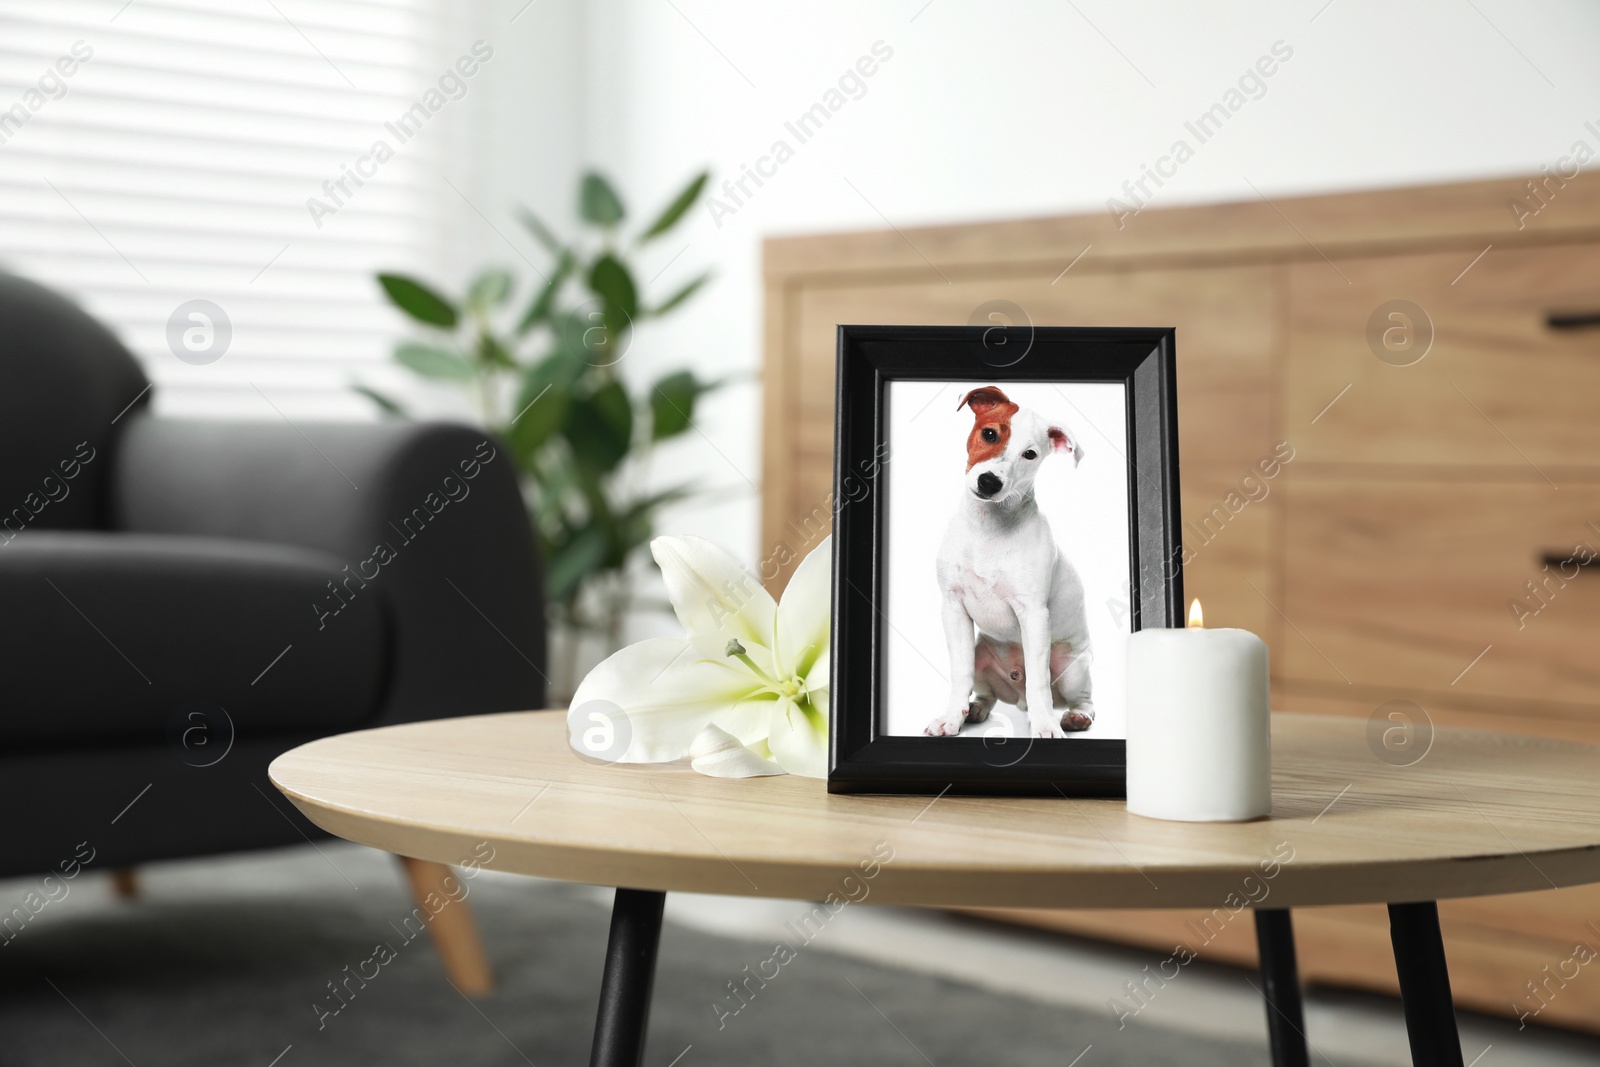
(1030, 454)
(990, 434)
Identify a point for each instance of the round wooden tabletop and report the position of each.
(1479, 813)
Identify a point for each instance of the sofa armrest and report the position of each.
(428, 516)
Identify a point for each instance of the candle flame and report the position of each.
(1196, 618)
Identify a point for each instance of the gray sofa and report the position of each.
(181, 601)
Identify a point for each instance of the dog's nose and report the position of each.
(988, 484)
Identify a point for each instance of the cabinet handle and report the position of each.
(1558, 560)
(1572, 320)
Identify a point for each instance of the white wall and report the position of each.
(517, 138)
(1016, 108)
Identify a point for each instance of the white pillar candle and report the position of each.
(1199, 742)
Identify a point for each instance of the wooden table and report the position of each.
(1481, 813)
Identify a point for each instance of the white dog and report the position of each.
(1001, 572)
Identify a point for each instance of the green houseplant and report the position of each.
(545, 372)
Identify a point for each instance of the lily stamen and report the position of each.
(737, 651)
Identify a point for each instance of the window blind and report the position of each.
(155, 153)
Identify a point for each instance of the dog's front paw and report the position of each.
(1044, 726)
(946, 725)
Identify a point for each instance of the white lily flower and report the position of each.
(756, 669)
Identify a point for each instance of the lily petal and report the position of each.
(798, 735)
(667, 694)
(820, 676)
(714, 597)
(719, 754)
(805, 612)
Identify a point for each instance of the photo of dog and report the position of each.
(1001, 571)
(1019, 600)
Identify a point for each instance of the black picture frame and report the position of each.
(862, 758)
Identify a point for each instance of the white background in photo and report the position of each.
(1087, 508)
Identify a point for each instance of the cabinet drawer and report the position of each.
(1498, 385)
(1423, 588)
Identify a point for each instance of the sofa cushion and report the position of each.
(112, 637)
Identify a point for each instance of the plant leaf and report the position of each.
(599, 427)
(388, 405)
(584, 335)
(676, 210)
(588, 484)
(598, 202)
(490, 288)
(492, 352)
(660, 498)
(431, 362)
(633, 531)
(540, 231)
(681, 295)
(573, 561)
(540, 309)
(636, 524)
(418, 301)
(555, 487)
(572, 334)
(542, 401)
(612, 283)
(672, 401)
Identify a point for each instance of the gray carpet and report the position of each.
(204, 971)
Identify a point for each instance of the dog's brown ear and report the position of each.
(982, 399)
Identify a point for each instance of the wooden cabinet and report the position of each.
(1438, 591)
(1435, 371)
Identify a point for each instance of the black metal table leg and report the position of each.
(1424, 984)
(1280, 981)
(624, 1015)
